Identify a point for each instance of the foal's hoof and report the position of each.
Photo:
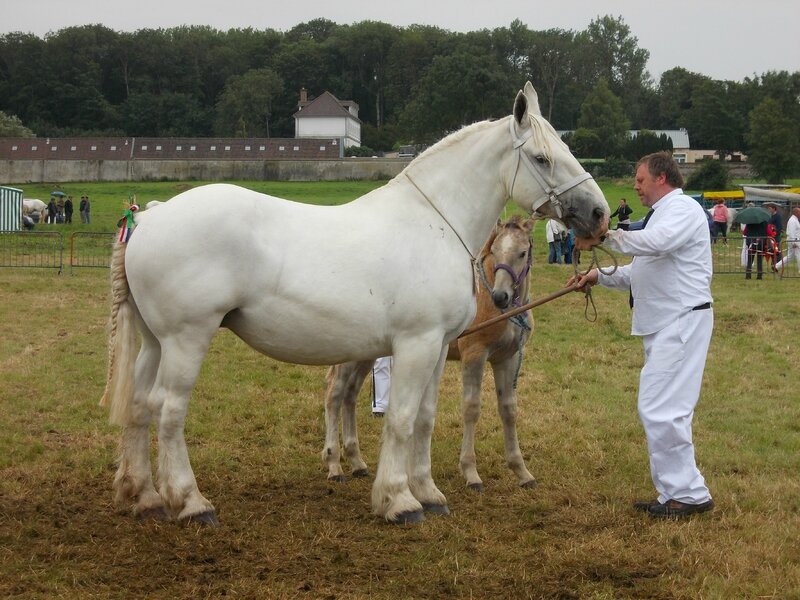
(204, 518)
(361, 473)
(408, 518)
(529, 485)
(475, 487)
(156, 513)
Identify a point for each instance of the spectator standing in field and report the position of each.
(52, 211)
(720, 217)
(755, 237)
(553, 234)
(669, 281)
(777, 228)
(623, 213)
(82, 209)
(792, 240)
(68, 209)
(88, 210)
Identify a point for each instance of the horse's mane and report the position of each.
(543, 133)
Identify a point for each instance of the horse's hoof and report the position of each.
(156, 513)
(204, 518)
(475, 487)
(408, 518)
(436, 509)
(337, 478)
(529, 485)
(361, 473)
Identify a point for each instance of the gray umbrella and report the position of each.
(57, 194)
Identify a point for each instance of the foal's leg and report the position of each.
(415, 362)
(504, 372)
(181, 358)
(344, 383)
(471, 377)
(134, 480)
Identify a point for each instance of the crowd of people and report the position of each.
(61, 208)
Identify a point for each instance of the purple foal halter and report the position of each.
(516, 279)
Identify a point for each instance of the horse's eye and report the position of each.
(541, 160)
(522, 254)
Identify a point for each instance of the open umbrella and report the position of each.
(57, 193)
(752, 215)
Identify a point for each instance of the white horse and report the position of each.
(34, 206)
(298, 283)
(503, 269)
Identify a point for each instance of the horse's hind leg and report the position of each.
(344, 383)
(471, 377)
(504, 374)
(134, 480)
(181, 358)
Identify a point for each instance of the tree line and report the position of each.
(413, 85)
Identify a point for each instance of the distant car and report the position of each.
(406, 152)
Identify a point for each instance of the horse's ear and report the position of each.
(526, 102)
(533, 99)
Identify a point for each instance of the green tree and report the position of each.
(675, 95)
(11, 126)
(550, 65)
(774, 139)
(712, 175)
(646, 142)
(245, 106)
(602, 113)
(712, 120)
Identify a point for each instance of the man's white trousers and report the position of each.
(669, 387)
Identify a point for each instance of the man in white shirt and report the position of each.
(553, 234)
(792, 240)
(669, 281)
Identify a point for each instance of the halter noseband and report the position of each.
(551, 194)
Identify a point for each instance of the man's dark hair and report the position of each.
(662, 162)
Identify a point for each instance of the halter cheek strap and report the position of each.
(551, 194)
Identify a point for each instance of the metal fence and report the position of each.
(88, 249)
(32, 249)
(731, 258)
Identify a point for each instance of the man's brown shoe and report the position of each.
(673, 509)
(644, 505)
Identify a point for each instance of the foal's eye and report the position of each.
(522, 254)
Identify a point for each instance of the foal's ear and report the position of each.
(527, 101)
(528, 224)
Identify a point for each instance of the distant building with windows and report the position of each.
(327, 117)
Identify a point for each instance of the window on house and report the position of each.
(179, 148)
(34, 148)
(262, 148)
(213, 148)
(227, 148)
(281, 148)
(322, 148)
(247, 148)
(158, 147)
(296, 148)
(73, 148)
(192, 148)
(94, 148)
(53, 148)
(13, 148)
(113, 148)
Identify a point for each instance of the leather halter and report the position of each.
(551, 194)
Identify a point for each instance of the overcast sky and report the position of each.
(724, 39)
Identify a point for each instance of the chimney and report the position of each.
(303, 95)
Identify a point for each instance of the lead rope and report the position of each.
(593, 263)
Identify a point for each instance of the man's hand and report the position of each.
(584, 282)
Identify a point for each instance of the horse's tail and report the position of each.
(121, 341)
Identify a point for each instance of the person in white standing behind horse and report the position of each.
(792, 240)
(670, 285)
(381, 382)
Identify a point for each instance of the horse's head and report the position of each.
(511, 251)
(547, 178)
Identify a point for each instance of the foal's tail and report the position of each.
(121, 341)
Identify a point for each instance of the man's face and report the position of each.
(648, 187)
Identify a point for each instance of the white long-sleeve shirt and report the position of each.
(553, 230)
(671, 270)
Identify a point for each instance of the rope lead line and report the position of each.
(557, 294)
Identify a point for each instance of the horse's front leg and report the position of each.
(416, 361)
(504, 373)
(344, 383)
(419, 467)
(471, 377)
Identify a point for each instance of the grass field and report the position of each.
(255, 430)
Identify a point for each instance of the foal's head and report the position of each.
(511, 251)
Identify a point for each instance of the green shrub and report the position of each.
(713, 175)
